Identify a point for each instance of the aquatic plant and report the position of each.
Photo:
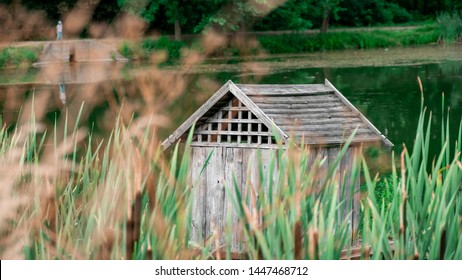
(450, 26)
(124, 199)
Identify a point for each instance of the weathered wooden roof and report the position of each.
(317, 114)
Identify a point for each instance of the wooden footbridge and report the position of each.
(78, 51)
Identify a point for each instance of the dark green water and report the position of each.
(388, 96)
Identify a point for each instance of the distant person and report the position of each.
(59, 31)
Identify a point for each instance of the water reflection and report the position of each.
(78, 73)
(62, 93)
(388, 96)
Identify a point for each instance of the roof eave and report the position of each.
(387, 143)
(229, 86)
(195, 116)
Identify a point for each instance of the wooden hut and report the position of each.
(241, 119)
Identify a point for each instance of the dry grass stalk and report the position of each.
(402, 208)
(313, 239)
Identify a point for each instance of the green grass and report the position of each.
(18, 56)
(299, 43)
(124, 199)
(428, 33)
(165, 51)
(450, 26)
(169, 50)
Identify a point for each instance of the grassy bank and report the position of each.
(288, 43)
(58, 200)
(450, 26)
(299, 43)
(167, 51)
(19, 56)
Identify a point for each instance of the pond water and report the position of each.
(387, 94)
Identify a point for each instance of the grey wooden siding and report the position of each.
(213, 188)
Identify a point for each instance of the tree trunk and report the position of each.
(325, 22)
(425, 7)
(177, 30)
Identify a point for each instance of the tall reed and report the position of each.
(123, 199)
(450, 26)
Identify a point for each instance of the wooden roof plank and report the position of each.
(282, 88)
(387, 142)
(318, 112)
(295, 99)
(326, 117)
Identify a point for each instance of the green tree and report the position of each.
(146, 9)
(236, 15)
(371, 12)
(329, 8)
(292, 15)
(177, 13)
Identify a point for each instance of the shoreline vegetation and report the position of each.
(444, 30)
(288, 43)
(61, 198)
(70, 192)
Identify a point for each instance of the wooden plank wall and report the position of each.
(212, 206)
(348, 184)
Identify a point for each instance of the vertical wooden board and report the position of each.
(267, 155)
(250, 175)
(345, 175)
(267, 177)
(274, 156)
(215, 193)
(332, 154)
(355, 155)
(249, 180)
(323, 155)
(199, 190)
(233, 170)
(261, 187)
(310, 166)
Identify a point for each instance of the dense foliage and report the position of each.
(18, 56)
(192, 16)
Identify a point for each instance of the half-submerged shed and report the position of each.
(240, 119)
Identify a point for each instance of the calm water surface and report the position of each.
(389, 96)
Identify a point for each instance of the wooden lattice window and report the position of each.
(233, 124)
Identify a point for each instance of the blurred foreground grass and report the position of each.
(122, 198)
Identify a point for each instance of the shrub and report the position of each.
(173, 48)
(126, 49)
(12, 56)
(450, 26)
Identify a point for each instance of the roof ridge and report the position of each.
(321, 105)
(228, 87)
